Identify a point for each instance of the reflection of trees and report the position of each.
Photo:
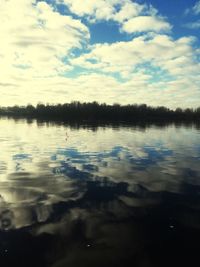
(102, 112)
(6, 219)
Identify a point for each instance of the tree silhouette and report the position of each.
(76, 111)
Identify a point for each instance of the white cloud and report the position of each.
(158, 69)
(182, 91)
(36, 51)
(146, 24)
(128, 11)
(132, 16)
(88, 87)
(174, 56)
(99, 9)
(34, 38)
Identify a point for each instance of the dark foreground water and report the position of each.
(106, 197)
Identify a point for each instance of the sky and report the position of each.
(110, 51)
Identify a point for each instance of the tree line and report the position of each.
(101, 112)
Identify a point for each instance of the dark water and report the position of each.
(114, 196)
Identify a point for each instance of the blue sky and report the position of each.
(109, 51)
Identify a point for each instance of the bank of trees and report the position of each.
(100, 112)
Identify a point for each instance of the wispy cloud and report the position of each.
(193, 25)
(195, 9)
(7, 84)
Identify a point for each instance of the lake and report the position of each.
(79, 195)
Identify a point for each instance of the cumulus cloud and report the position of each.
(174, 56)
(156, 68)
(100, 9)
(145, 24)
(35, 38)
(132, 16)
(38, 61)
(127, 11)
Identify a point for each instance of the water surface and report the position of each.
(106, 196)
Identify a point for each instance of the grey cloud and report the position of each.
(8, 85)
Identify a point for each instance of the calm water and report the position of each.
(109, 197)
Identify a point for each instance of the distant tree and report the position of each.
(76, 111)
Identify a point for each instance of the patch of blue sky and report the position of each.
(100, 31)
(107, 32)
(78, 71)
(172, 7)
(74, 73)
(175, 11)
(62, 9)
(118, 77)
(157, 73)
(22, 66)
(76, 52)
(161, 76)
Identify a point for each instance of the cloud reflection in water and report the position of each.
(98, 194)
